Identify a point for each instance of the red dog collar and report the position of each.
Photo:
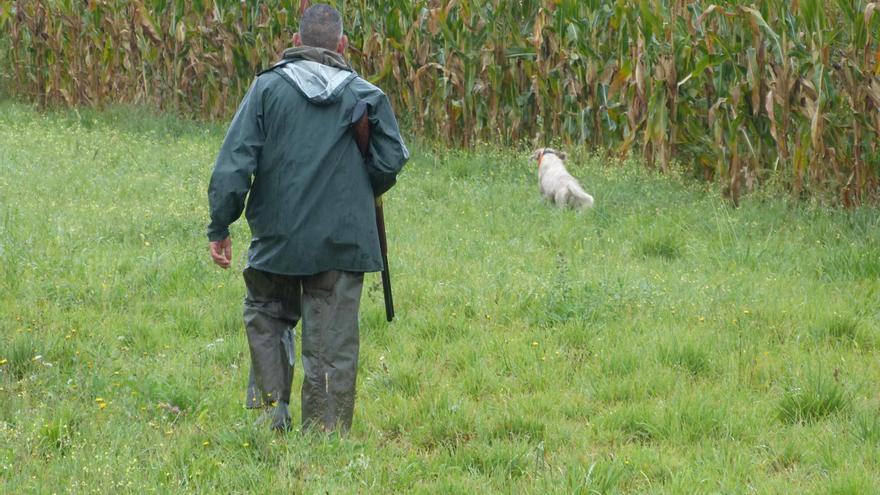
(544, 152)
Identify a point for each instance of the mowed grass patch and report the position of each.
(662, 342)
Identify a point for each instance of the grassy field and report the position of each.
(660, 343)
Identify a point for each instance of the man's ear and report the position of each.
(343, 44)
(297, 39)
(562, 155)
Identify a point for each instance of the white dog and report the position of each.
(556, 184)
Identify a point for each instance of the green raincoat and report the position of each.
(310, 207)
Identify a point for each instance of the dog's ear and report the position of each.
(536, 154)
(562, 155)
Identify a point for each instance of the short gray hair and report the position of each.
(321, 26)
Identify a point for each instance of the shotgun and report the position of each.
(360, 124)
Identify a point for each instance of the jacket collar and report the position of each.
(319, 55)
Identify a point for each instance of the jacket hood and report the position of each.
(319, 74)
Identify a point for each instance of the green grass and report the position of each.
(662, 342)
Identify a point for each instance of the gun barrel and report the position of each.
(383, 247)
(386, 291)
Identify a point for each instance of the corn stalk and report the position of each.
(742, 92)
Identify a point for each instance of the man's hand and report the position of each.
(221, 252)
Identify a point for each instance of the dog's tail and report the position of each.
(579, 198)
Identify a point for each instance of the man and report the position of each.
(310, 196)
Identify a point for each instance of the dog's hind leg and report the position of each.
(579, 198)
(561, 197)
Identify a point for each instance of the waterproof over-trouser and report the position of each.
(310, 194)
(328, 305)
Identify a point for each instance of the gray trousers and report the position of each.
(328, 304)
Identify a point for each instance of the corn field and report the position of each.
(782, 90)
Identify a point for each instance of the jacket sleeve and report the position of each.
(387, 149)
(236, 164)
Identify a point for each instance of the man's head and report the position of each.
(321, 26)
